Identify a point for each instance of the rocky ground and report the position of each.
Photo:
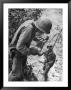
(35, 61)
(55, 73)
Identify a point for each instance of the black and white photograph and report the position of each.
(36, 44)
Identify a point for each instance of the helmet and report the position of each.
(44, 24)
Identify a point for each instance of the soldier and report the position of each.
(21, 42)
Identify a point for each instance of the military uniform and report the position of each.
(22, 40)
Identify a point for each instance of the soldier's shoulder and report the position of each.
(27, 23)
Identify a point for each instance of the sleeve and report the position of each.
(17, 34)
(24, 38)
(19, 30)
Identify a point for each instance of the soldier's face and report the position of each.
(40, 32)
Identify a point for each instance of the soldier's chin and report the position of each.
(48, 32)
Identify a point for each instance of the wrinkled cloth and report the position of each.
(21, 41)
(23, 37)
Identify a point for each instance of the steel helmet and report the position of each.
(44, 24)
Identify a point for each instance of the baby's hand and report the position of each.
(34, 50)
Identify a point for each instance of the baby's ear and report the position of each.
(47, 37)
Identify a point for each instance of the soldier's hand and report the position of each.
(34, 50)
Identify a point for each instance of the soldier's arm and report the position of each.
(17, 34)
(24, 38)
(21, 27)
